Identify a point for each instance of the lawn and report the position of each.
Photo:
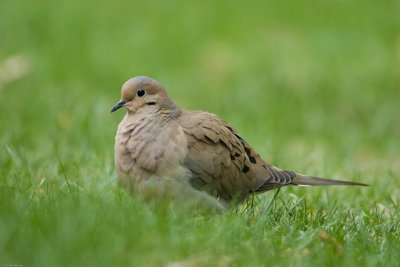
(313, 87)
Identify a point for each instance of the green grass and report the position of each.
(314, 87)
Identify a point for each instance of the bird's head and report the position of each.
(142, 93)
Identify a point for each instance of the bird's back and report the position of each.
(219, 159)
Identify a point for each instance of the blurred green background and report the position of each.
(313, 86)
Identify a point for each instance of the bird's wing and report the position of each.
(221, 161)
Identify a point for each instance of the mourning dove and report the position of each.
(163, 149)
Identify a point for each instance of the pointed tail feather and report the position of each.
(304, 180)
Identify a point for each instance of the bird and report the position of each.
(163, 151)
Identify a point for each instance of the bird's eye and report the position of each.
(140, 92)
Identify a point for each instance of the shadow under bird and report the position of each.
(162, 150)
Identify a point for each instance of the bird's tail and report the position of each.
(304, 180)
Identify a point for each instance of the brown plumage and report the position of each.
(163, 150)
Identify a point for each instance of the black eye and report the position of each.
(140, 92)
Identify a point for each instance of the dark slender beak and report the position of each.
(119, 105)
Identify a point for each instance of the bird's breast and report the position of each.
(148, 146)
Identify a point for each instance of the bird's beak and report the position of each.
(119, 105)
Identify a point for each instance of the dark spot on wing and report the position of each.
(238, 137)
(245, 169)
(247, 150)
(252, 159)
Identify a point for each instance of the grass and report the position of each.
(313, 87)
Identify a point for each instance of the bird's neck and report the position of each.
(162, 113)
(169, 113)
(160, 116)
